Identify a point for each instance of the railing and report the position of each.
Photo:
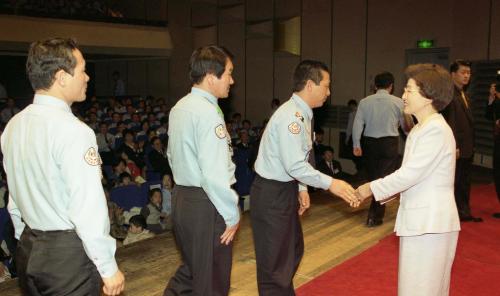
(134, 12)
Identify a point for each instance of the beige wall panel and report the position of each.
(317, 30)
(470, 29)
(258, 10)
(232, 36)
(259, 79)
(348, 51)
(137, 82)
(157, 78)
(287, 8)
(284, 65)
(391, 31)
(204, 36)
(495, 31)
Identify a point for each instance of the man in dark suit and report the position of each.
(493, 114)
(158, 157)
(458, 114)
(328, 166)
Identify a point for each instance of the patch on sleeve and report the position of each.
(294, 127)
(220, 131)
(92, 157)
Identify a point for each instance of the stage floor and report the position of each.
(332, 232)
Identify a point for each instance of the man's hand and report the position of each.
(344, 191)
(493, 93)
(364, 191)
(304, 201)
(114, 285)
(357, 151)
(457, 153)
(227, 237)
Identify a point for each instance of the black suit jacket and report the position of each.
(325, 169)
(159, 162)
(460, 119)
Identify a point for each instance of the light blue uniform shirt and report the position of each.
(199, 151)
(286, 144)
(380, 114)
(54, 177)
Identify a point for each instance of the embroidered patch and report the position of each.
(92, 157)
(220, 131)
(299, 116)
(294, 127)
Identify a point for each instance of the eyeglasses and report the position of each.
(407, 89)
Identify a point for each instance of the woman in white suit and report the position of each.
(427, 220)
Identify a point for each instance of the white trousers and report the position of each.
(425, 264)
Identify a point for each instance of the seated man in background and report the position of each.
(331, 167)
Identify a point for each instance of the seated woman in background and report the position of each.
(427, 221)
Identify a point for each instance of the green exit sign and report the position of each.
(425, 43)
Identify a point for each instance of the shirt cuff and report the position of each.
(108, 269)
(302, 187)
(326, 181)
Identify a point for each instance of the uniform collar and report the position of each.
(198, 91)
(303, 106)
(382, 91)
(51, 101)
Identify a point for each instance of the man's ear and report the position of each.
(60, 78)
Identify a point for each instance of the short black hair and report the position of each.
(46, 58)
(208, 60)
(327, 148)
(308, 70)
(125, 175)
(457, 63)
(352, 102)
(384, 80)
(153, 191)
(138, 221)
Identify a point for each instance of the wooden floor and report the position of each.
(333, 233)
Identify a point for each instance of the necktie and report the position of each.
(312, 157)
(464, 99)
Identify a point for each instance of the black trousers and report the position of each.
(277, 234)
(496, 165)
(55, 263)
(382, 158)
(462, 185)
(206, 267)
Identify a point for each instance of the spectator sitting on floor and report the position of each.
(125, 179)
(137, 230)
(116, 219)
(152, 212)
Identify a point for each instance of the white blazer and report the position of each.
(425, 180)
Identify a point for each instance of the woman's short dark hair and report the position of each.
(308, 70)
(46, 58)
(208, 60)
(434, 82)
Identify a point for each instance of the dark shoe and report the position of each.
(496, 215)
(373, 223)
(471, 219)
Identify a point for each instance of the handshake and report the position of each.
(345, 191)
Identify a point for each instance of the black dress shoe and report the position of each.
(471, 219)
(496, 215)
(373, 223)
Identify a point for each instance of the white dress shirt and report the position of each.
(54, 177)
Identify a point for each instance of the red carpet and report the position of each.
(476, 270)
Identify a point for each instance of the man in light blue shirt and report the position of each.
(205, 210)
(378, 118)
(279, 193)
(57, 202)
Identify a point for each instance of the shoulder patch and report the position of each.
(92, 157)
(220, 131)
(299, 116)
(294, 127)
